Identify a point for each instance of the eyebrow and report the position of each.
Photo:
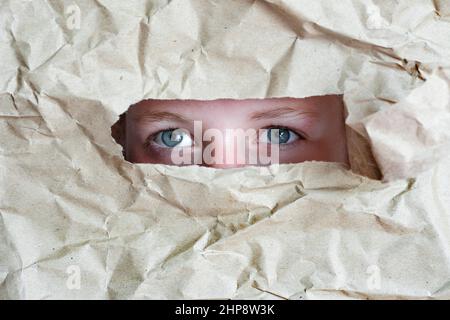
(282, 112)
(156, 116)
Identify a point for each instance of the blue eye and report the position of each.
(279, 136)
(173, 138)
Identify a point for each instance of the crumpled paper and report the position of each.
(78, 221)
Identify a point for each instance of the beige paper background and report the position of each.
(68, 199)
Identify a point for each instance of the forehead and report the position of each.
(231, 106)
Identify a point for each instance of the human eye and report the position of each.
(279, 135)
(172, 138)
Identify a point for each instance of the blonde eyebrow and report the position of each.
(281, 112)
(155, 116)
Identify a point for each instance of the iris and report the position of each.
(278, 135)
(172, 138)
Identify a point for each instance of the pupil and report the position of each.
(284, 136)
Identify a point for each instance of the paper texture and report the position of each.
(79, 222)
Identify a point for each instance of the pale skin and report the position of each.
(309, 129)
